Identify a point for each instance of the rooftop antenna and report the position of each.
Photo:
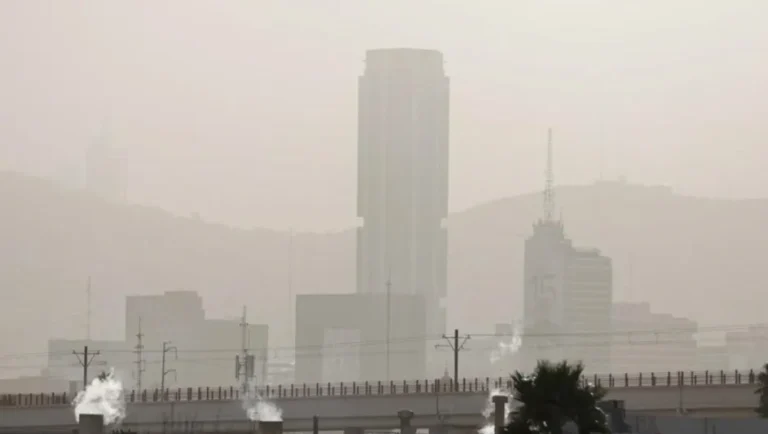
(88, 310)
(549, 193)
(290, 286)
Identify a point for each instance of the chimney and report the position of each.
(405, 422)
(91, 424)
(270, 427)
(499, 412)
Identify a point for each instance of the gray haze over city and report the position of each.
(233, 152)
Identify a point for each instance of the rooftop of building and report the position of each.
(385, 58)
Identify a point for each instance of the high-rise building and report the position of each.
(567, 293)
(403, 177)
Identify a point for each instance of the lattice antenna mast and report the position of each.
(139, 350)
(549, 189)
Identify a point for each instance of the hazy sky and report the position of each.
(245, 111)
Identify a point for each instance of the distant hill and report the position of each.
(701, 258)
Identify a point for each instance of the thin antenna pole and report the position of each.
(389, 315)
(631, 278)
(549, 194)
(244, 349)
(290, 285)
(88, 310)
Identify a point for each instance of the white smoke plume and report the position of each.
(489, 427)
(103, 396)
(259, 409)
(507, 348)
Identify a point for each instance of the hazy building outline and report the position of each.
(402, 201)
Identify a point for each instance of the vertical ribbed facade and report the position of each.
(403, 117)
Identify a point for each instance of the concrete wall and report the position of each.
(374, 411)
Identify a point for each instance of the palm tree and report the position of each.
(553, 396)
(762, 390)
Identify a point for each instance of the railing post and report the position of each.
(626, 379)
(640, 380)
(653, 379)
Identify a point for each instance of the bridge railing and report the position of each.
(465, 385)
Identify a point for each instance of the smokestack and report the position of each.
(405, 422)
(499, 412)
(270, 427)
(91, 424)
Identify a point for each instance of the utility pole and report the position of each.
(389, 315)
(453, 344)
(163, 371)
(85, 362)
(139, 348)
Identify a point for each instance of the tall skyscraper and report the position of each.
(568, 293)
(403, 177)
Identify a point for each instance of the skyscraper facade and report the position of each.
(402, 201)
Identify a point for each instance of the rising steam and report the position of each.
(489, 427)
(103, 396)
(506, 348)
(259, 409)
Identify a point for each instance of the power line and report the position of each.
(427, 338)
(205, 360)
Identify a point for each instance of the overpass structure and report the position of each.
(355, 407)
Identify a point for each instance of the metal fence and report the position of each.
(465, 385)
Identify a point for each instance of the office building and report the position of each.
(567, 293)
(403, 177)
(646, 341)
(205, 349)
(343, 338)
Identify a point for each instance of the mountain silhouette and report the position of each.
(694, 257)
